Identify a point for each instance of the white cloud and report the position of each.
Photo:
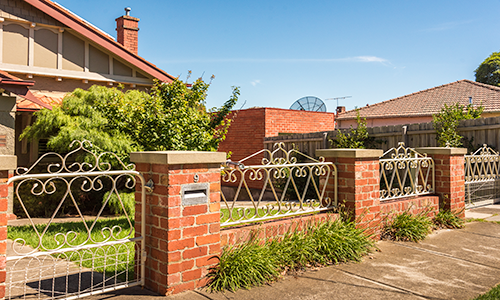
(447, 26)
(255, 82)
(369, 59)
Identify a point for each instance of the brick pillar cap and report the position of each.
(128, 18)
(353, 153)
(8, 162)
(442, 150)
(178, 157)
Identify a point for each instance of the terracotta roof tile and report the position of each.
(430, 101)
(51, 98)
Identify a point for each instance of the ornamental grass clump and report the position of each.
(408, 227)
(448, 219)
(259, 262)
(243, 266)
(341, 241)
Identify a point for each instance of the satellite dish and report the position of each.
(309, 103)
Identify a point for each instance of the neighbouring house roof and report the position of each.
(46, 97)
(430, 101)
(91, 32)
(15, 85)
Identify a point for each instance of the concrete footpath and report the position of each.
(448, 264)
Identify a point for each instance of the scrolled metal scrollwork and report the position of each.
(95, 162)
(285, 183)
(62, 183)
(405, 172)
(482, 165)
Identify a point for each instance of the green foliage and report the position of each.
(448, 219)
(80, 117)
(115, 205)
(172, 117)
(407, 227)
(45, 204)
(243, 267)
(119, 258)
(493, 294)
(259, 262)
(489, 70)
(356, 138)
(447, 120)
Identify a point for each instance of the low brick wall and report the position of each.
(271, 229)
(414, 205)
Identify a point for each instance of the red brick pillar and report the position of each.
(182, 217)
(7, 165)
(358, 183)
(450, 176)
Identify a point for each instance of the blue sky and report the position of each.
(279, 51)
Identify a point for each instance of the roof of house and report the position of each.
(430, 101)
(13, 84)
(48, 98)
(91, 32)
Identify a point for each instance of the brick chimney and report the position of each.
(340, 110)
(127, 29)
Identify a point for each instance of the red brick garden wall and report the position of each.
(250, 126)
(271, 229)
(180, 239)
(413, 205)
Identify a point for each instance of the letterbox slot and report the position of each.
(194, 194)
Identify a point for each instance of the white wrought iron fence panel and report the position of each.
(287, 183)
(482, 176)
(482, 165)
(404, 172)
(96, 255)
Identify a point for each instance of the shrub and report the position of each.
(407, 227)
(128, 200)
(45, 204)
(259, 262)
(492, 294)
(447, 120)
(448, 219)
(243, 267)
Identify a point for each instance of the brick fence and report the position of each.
(183, 234)
(8, 164)
(183, 212)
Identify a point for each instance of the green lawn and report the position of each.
(250, 212)
(112, 260)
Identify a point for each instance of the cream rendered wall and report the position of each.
(15, 44)
(384, 121)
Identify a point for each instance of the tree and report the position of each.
(447, 120)
(172, 117)
(489, 70)
(355, 139)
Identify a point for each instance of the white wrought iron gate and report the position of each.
(482, 177)
(54, 259)
(286, 183)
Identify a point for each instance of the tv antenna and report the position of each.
(338, 98)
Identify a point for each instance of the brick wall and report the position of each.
(271, 229)
(297, 121)
(358, 183)
(7, 164)
(413, 205)
(180, 237)
(450, 176)
(246, 134)
(250, 126)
